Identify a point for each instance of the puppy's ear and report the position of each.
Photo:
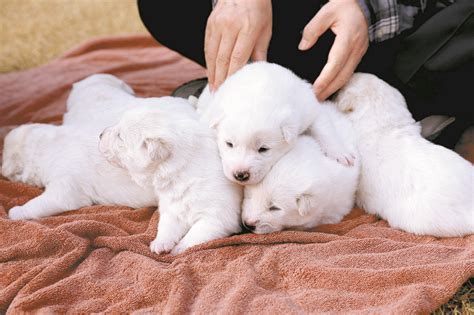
(215, 119)
(289, 125)
(305, 204)
(289, 132)
(157, 149)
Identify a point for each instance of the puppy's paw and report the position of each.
(179, 248)
(159, 245)
(19, 213)
(345, 158)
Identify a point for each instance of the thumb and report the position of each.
(315, 28)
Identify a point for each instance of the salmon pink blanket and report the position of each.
(96, 259)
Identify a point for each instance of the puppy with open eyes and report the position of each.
(304, 188)
(166, 147)
(66, 161)
(258, 114)
(415, 185)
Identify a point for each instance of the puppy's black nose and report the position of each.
(242, 176)
(101, 135)
(251, 228)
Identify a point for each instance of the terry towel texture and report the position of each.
(97, 259)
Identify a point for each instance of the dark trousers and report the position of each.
(180, 26)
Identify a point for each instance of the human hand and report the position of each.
(346, 20)
(236, 31)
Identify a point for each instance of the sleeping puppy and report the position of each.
(304, 188)
(98, 101)
(258, 114)
(415, 185)
(67, 162)
(167, 148)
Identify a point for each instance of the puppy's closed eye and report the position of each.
(229, 144)
(263, 149)
(274, 208)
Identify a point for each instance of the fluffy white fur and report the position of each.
(167, 148)
(415, 185)
(98, 101)
(304, 188)
(258, 114)
(68, 163)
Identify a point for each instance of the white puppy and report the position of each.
(68, 163)
(258, 114)
(167, 148)
(98, 101)
(304, 188)
(415, 185)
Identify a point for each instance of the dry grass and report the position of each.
(33, 32)
(462, 302)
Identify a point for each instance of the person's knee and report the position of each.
(178, 25)
(155, 16)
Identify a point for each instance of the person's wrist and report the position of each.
(364, 7)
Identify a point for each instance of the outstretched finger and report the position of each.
(260, 50)
(211, 47)
(241, 52)
(226, 46)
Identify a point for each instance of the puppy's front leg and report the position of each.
(57, 198)
(330, 139)
(170, 231)
(202, 231)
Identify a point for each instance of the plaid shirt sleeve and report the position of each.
(387, 18)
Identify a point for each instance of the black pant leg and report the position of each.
(178, 25)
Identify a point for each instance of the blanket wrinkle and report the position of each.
(97, 259)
